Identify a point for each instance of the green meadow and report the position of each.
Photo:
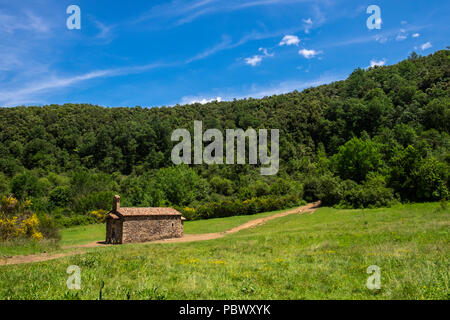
(324, 255)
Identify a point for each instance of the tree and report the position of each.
(436, 114)
(24, 186)
(60, 196)
(356, 159)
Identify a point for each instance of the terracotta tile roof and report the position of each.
(113, 216)
(148, 212)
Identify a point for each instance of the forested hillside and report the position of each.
(380, 136)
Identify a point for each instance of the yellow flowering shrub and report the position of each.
(8, 206)
(100, 215)
(188, 213)
(28, 226)
(8, 228)
(16, 222)
(37, 236)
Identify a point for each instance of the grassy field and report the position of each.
(25, 247)
(323, 255)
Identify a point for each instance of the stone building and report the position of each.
(127, 225)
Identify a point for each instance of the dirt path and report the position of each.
(186, 238)
(36, 257)
(250, 224)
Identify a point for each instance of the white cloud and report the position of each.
(289, 40)
(426, 46)
(256, 59)
(374, 63)
(308, 54)
(416, 35)
(253, 61)
(201, 100)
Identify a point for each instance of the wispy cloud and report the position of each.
(227, 6)
(26, 21)
(105, 31)
(188, 11)
(26, 94)
(383, 37)
(288, 86)
(226, 43)
(29, 93)
(307, 24)
(402, 35)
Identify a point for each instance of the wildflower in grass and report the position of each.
(189, 261)
(217, 262)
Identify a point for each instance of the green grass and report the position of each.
(323, 255)
(82, 234)
(25, 247)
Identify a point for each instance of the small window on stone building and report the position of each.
(173, 224)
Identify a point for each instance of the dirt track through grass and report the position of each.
(186, 238)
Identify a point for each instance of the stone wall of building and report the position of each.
(149, 228)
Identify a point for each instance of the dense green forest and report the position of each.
(378, 137)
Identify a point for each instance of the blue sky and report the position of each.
(155, 53)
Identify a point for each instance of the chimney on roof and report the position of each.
(116, 203)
